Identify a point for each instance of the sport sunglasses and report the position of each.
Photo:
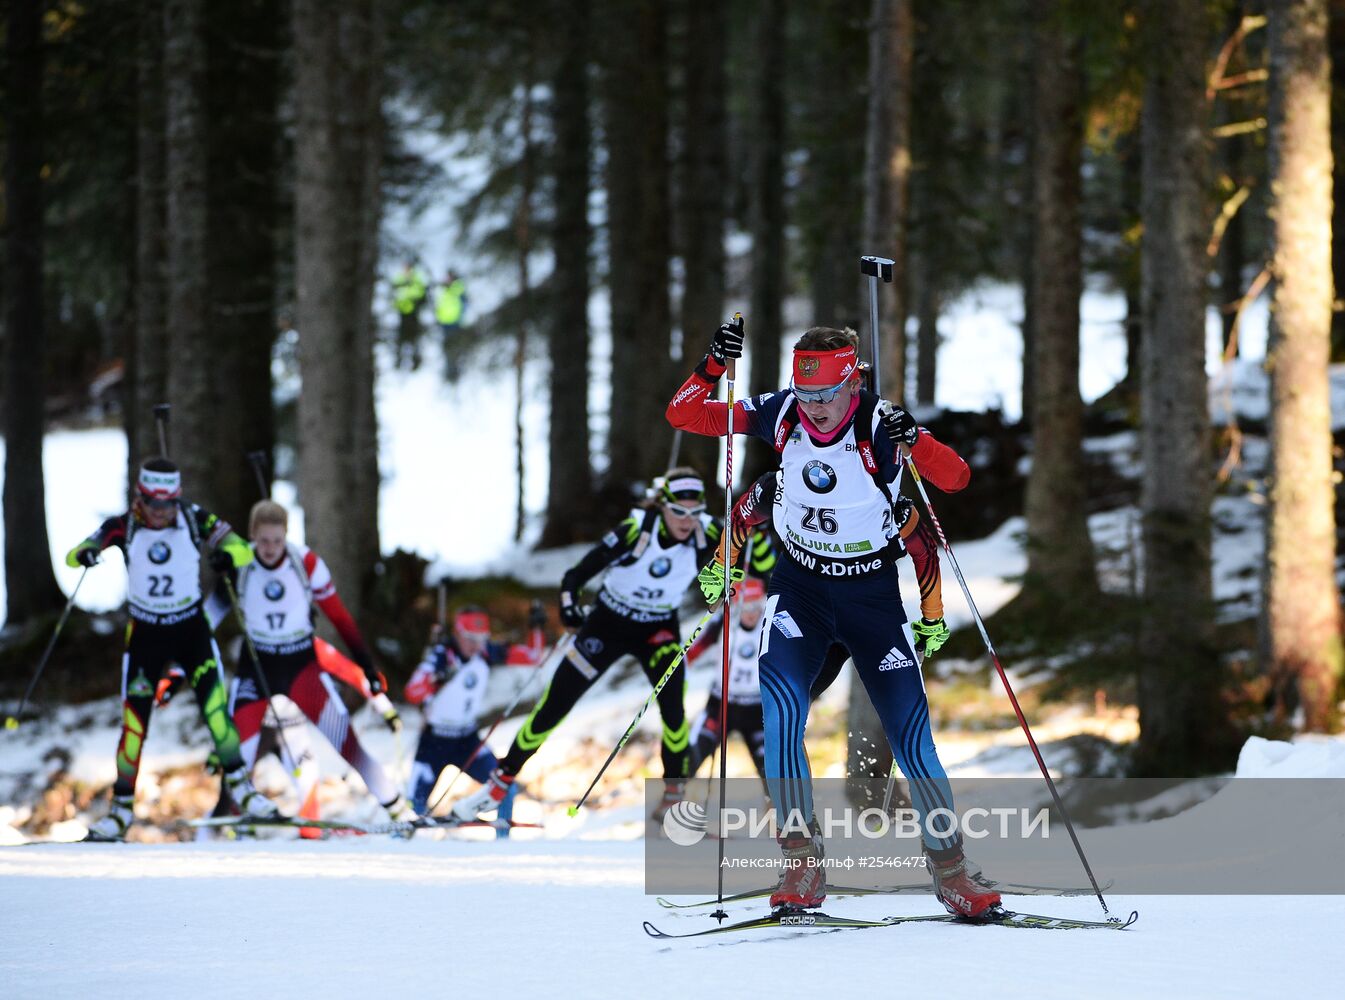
(824, 395)
(678, 510)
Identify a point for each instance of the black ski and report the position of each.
(1011, 888)
(341, 826)
(785, 920)
(824, 921)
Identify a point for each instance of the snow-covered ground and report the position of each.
(372, 917)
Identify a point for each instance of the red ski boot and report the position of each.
(959, 891)
(804, 882)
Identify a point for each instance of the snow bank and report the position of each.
(1306, 757)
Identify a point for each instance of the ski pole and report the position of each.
(676, 449)
(257, 664)
(875, 269)
(1004, 679)
(730, 372)
(625, 737)
(161, 412)
(257, 459)
(12, 721)
(565, 641)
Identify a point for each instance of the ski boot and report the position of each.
(401, 813)
(674, 791)
(112, 827)
(252, 802)
(486, 799)
(960, 888)
(803, 885)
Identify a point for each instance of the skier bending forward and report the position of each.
(651, 558)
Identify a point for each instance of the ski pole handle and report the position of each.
(161, 412)
(876, 269)
(731, 366)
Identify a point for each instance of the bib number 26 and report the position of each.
(821, 519)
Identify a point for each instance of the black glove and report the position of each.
(902, 509)
(571, 614)
(87, 557)
(537, 615)
(899, 424)
(377, 682)
(221, 561)
(727, 344)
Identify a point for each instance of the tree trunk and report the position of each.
(1336, 41)
(570, 476)
(523, 237)
(639, 237)
(1183, 727)
(765, 322)
(1301, 609)
(704, 203)
(1060, 552)
(1131, 184)
(192, 353)
(364, 40)
(30, 583)
(337, 149)
(887, 172)
(1024, 103)
(1232, 255)
(245, 40)
(147, 363)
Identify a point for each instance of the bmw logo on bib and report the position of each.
(469, 680)
(660, 566)
(819, 477)
(274, 591)
(747, 649)
(160, 553)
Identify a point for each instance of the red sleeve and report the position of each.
(331, 605)
(336, 613)
(343, 669)
(692, 408)
(421, 684)
(938, 463)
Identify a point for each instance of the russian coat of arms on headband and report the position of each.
(808, 366)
